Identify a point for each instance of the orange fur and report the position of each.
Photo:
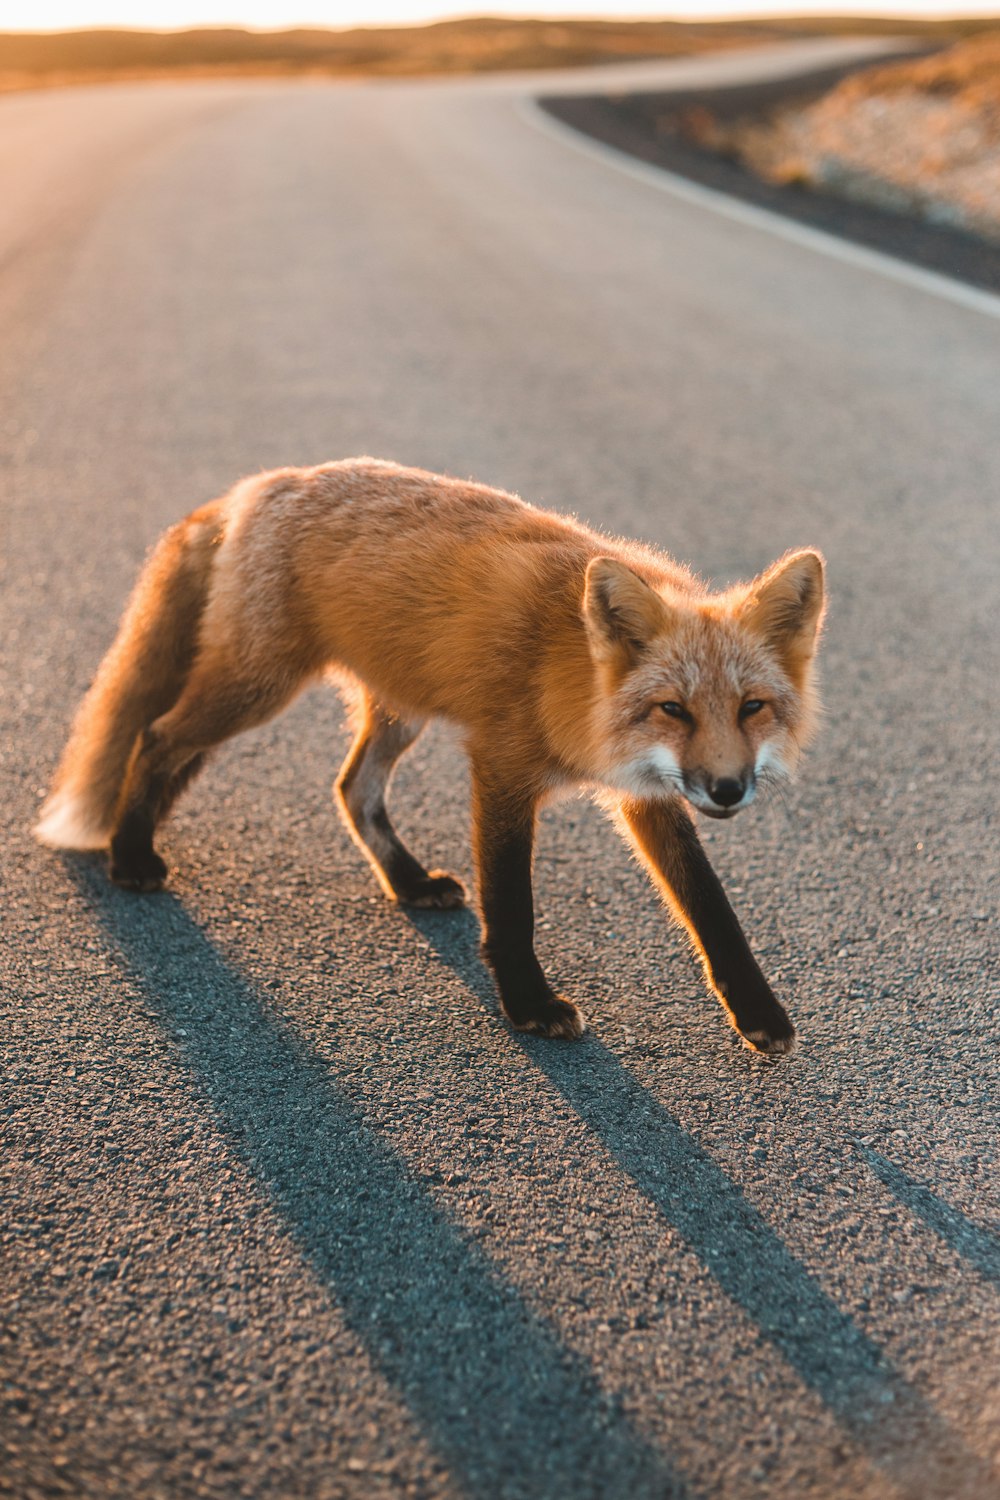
(552, 646)
(139, 679)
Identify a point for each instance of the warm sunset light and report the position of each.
(71, 14)
(487, 1009)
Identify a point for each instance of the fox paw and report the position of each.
(144, 871)
(553, 1017)
(773, 1040)
(438, 890)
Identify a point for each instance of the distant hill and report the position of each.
(479, 44)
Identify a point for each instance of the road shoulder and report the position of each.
(631, 123)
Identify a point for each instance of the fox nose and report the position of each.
(726, 792)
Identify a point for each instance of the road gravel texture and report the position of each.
(287, 1210)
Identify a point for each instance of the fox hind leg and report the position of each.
(135, 864)
(361, 789)
(214, 705)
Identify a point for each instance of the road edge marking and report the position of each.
(934, 283)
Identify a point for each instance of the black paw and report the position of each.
(437, 890)
(550, 1016)
(770, 1045)
(771, 1033)
(754, 1012)
(138, 871)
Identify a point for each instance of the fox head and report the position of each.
(707, 695)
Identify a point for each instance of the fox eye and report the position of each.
(750, 707)
(677, 711)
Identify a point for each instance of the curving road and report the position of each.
(286, 1210)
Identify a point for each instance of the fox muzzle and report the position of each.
(722, 796)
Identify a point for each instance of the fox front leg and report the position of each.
(503, 828)
(665, 837)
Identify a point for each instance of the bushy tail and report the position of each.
(139, 679)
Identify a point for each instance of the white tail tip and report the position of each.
(65, 824)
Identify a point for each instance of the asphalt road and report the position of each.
(287, 1210)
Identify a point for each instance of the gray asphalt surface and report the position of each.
(287, 1210)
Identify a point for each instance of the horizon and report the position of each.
(338, 15)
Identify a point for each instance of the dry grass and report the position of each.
(467, 46)
(920, 137)
(476, 44)
(968, 73)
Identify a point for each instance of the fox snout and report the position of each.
(721, 796)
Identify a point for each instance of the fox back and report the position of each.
(450, 599)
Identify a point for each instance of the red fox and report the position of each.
(566, 658)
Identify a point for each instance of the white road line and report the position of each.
(932, 282)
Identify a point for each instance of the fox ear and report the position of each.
(621, 612)
(786, 604)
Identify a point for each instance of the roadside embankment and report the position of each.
(902, 156)
(917, 137)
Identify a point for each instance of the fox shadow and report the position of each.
(890, 1421)
(505, 1404)
(969, 1240)
(510, 1409)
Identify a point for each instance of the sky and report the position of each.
(43, 15)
